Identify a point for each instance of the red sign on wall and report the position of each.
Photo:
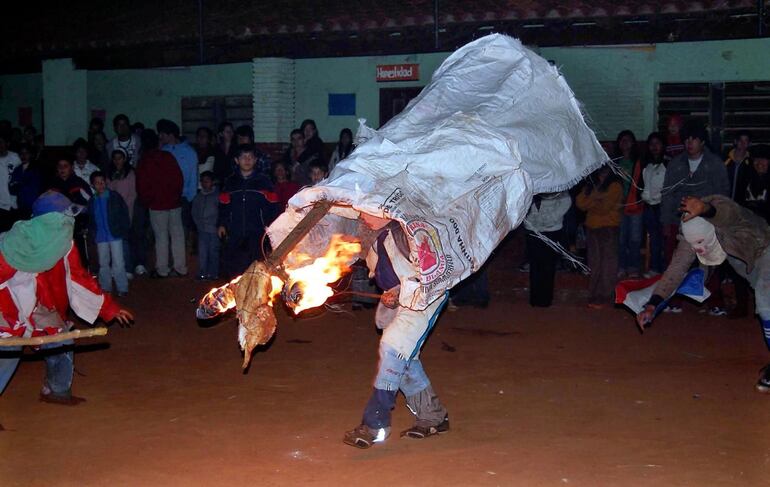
(398, 72)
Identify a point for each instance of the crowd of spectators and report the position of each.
(151, 189)
(151, 192)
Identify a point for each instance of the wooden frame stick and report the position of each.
(59, 337)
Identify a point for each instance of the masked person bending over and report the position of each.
(716, 229)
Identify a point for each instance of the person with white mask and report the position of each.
(715, 229)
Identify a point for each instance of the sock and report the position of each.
(766, 331)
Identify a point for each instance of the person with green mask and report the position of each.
(41, 278)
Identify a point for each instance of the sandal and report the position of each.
(419, 432)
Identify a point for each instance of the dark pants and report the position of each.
(542, 268)
(602, 246)
(240, 251)
(655, 231)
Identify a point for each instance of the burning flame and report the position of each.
(313, 278)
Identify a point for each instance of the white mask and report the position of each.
(702, 236)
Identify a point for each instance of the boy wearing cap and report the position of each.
(41, 277)
(716, 229)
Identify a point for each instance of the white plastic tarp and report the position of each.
(458, 167)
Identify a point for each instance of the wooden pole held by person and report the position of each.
(59, 337)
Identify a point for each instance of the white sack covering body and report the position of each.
(458, 167)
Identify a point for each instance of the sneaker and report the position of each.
(174, 273)
(157, 275)
(763, 384)
(672, 308)
(650, 274)
(129, 276)
(717, 311)
(140, 270)
(365, 437)
(451, 306)
(420, 432)
(622, 275)
(524, 267)
(122, 294)
(201, 278)
(68, 400)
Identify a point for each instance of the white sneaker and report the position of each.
(140, 270)
(672, 309)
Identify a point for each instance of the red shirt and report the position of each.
(285, 191)
(159, 181)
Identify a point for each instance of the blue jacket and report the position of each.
(26, 185)
(118, 222)
(187, 159)
(247, 205)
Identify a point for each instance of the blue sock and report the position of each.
(766, 331)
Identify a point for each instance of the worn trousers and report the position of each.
(112, 266)
(208, 255)
(602, 246)
(167, 225)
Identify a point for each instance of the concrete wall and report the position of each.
(147, 95)
(65, 91)
(21, 90)
(617, 85)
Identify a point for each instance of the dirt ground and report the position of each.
(547, 397)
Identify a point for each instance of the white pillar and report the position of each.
(274, 93)
(65, 102)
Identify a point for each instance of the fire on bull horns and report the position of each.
(302, 286)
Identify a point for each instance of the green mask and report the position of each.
(36, 245)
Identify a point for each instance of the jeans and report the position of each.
(111, 265)
(655, 231)
(630, 242)
(167, 224)
(59, 367)
(208, 254)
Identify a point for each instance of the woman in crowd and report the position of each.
(633, 207)
(753, 186)
(225, 152)
(601, 200)
(652, 178)
(122, 179)
(344, 148)
(298, 158)
(99, 155)
(313, 142)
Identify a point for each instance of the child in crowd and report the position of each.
(109, 224)
(26, 182)
(247, 205)
(284, 187)
(601, 200)
(344, 147)
(318, 172)
(205, 211)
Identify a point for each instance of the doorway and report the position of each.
(394, 100)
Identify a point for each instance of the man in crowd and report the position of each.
(186, 158)
(716, 229)
(125, 139)
(738, 159)
(695, 172)
(159, 189)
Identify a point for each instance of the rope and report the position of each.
(556, 247)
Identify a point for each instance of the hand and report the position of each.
(691, 207)
(389, 298)
(645, 316)
(124, 318)
(222, 232)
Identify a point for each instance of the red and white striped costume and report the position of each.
(67, 284)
